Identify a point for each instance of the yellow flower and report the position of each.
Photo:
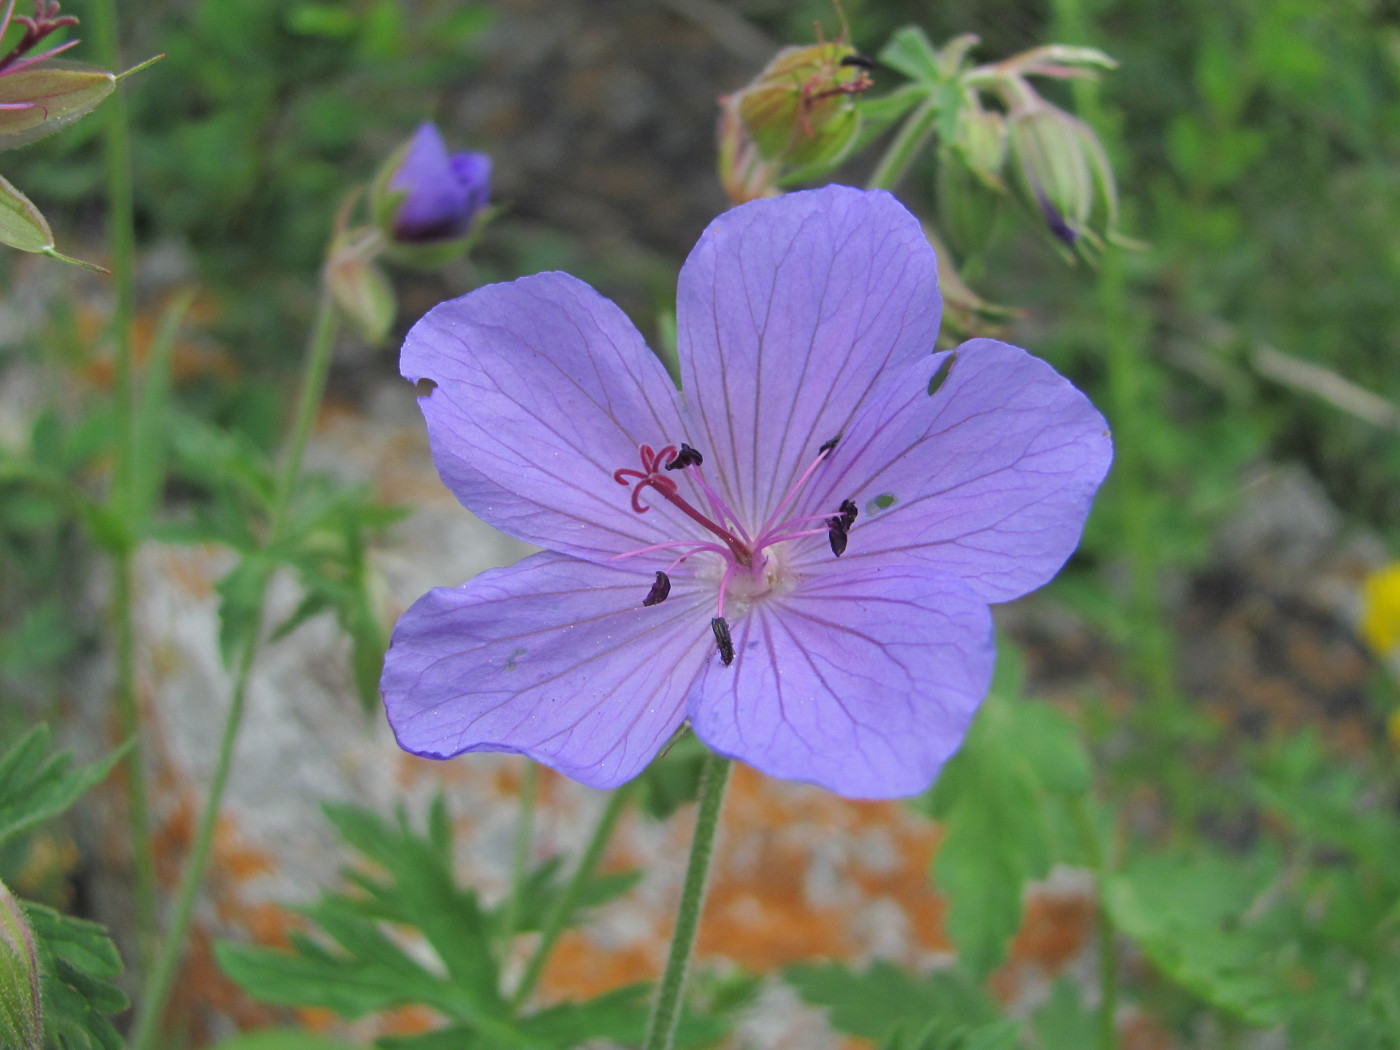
(1380, 609)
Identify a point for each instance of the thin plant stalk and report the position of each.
(122, 240)
(1100, 860)
(666, 1013)
(566, 903)
(156, 988)
(913, 134)
(520, 854)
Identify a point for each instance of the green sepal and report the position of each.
(57, 93)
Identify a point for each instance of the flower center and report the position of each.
(750, 566)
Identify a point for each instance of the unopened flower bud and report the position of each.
(1064, 171)
(800, 111)
(21, 1017)
(428, 202)
(744, 173)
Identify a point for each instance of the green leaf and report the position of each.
(282, 1039)
(1062, 1022)
(996, 797)
(872, 1004)
(543, 886)
(352, 966)
(152, 426)
(940, 1034)
(79, 963)
(423, 894)
(35, 787)
(22, 225)
(241, 594)
(672, 780)
(1187, 914)
(912, 53)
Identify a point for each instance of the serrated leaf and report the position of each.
(35, 787)
(79, 961)
(873, 1003)
(422, 884)
(353, 965)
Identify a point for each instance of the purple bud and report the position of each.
(441, 193)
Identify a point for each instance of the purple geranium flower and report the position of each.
(442, 193)
(796, 554)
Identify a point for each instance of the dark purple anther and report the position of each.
(659, 590)
(726, 644)
(686, 457)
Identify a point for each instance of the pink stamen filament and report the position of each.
(666, 488)
(739, 550)
(792, 492)
(783, 537)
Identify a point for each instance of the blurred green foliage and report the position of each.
(1257, 149)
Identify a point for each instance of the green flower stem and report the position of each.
(122, 237)
(313, 388)
(567, 902)
(1108, 958)
(661, 1029)
(1131, 418)
(520, 855)
(156, 988)
(912, 136)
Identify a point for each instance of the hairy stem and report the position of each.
(520, 854)
(661, 1029)
(912, 136)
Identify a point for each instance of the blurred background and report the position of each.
(1248, 355)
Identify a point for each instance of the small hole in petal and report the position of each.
(944, 367)
(424, 387)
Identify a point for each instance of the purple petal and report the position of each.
(989, 480)
(434, 199)
(554, 658)
(473, 174)
(544, 388)
(861, 681)
(791, 313)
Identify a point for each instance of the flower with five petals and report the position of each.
(796, 552)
